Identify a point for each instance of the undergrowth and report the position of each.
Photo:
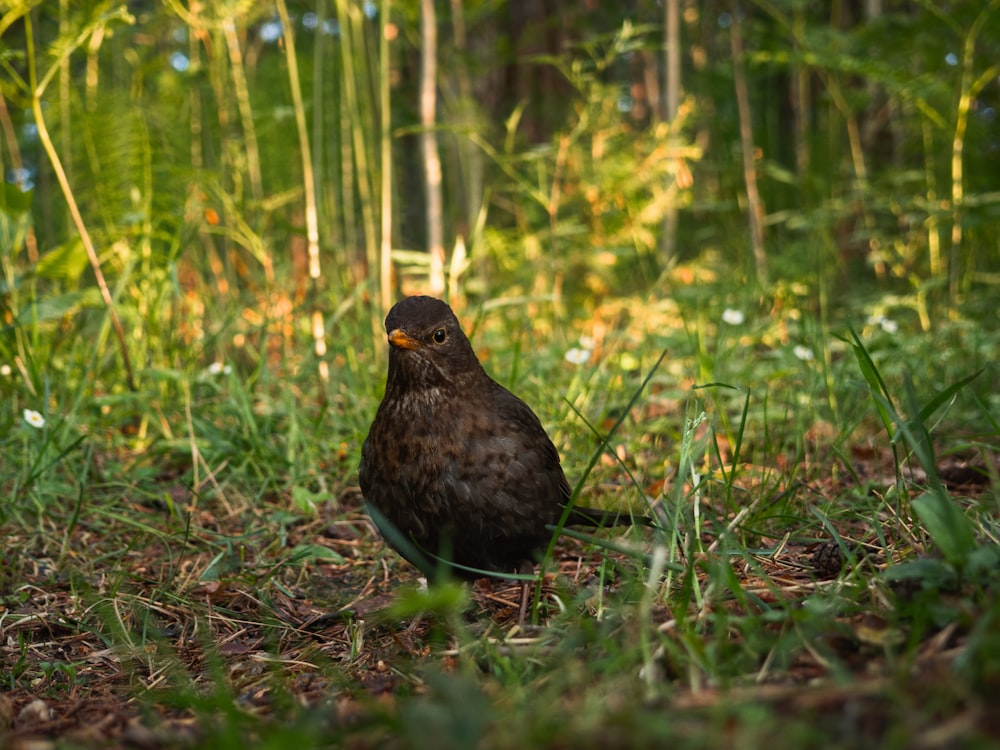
(826, 530)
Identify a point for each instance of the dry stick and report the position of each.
(95, 263)
(309, 185)
(755, 206)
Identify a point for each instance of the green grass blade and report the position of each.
(886, 411)
(935, 403)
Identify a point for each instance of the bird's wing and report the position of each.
(533, 452)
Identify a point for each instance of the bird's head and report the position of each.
(427, 347)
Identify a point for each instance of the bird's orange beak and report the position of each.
(398, 337)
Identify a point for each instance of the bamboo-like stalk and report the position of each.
(308, 181)
(318, 116)
(348, 209)
(470, 157)
(328, 128)
(358, 146)
(672, 57)
(242, 93)
(672, 99)
(931, 196)
(385, 140)
(755, 205)
(195, 123)
(803, 99)
(93, 70)
(65, 110)
(428, 144)
(37, 89)
(356, 110)
(218, 247)
(308, 178)
(968, 91)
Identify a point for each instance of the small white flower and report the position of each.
(33, 418)
(733, 317)
(217, 368)
(889, 326)
(577, 356)
(886, 324)
(5, 370)
(803, 352)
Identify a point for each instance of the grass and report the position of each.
(192, 567)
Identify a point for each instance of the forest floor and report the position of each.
(260, 655)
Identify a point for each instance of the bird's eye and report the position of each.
(439, 336)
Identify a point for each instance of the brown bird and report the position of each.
(458, 473)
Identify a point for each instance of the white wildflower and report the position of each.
(733, 317)
(874, 320)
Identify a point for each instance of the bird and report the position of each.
(458, 473)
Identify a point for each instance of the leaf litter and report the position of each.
(130, 656)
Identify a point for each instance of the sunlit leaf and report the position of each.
(67, 261)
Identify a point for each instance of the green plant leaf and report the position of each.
(13, 200)
(947, 525)
(930, 572)
(874, 379)
(65, 262)
(54, 307)
(984, 563)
